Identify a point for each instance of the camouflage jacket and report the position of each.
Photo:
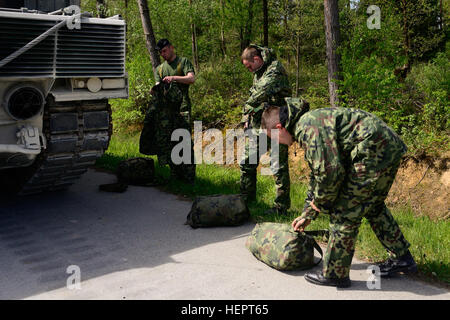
(270, 84)
(340, 143)
(178, 67)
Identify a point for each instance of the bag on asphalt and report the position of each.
(282, 248)
(218, 210)
(136, 171)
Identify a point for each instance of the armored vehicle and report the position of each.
(58, 68)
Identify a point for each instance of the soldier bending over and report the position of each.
(353, 157)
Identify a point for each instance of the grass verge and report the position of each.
(430, 241)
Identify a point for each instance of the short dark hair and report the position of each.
(270, 118)
(250, 53)
(161, 44)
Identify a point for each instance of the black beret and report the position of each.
(161, 44)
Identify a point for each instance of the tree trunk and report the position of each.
(223, 45)
(194, 42)
(286, 30)
(101, 9)
(266, 23)
(297, 59)
(149, 35)
(248, 27)
(406, 38)
(332, 34)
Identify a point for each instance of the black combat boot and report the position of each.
(405, 264)
(318, 278)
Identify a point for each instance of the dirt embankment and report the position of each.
(422, 184)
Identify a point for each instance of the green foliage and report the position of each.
(415, 106)
(429, 87)
(220, 92)
(368, 62)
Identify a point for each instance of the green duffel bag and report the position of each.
(136, 171)
(282, 248)
(218, 210)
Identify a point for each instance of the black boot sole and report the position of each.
(343, 284)
(406, 270)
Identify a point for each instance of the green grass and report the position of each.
(430, 240)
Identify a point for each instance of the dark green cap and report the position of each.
(161, 44)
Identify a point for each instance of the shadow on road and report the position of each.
(103, 233)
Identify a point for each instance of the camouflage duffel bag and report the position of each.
(218, 210)
(136, 171)
(282, 248)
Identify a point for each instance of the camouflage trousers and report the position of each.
(184, 172)
(360, 199)
(280, 171)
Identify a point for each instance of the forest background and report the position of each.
(399, 72)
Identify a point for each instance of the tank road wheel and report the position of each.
(77, 134)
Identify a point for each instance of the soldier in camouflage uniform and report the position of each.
(353, 157)
(270, 85)
(180, 72)
(162, 118)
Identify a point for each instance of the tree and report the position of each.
(332, 34)
(223, 45)
(194, 40)
(422, 35)
(149, 35)
(246, 33)
(265, 23)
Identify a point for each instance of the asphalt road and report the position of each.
(135, 246)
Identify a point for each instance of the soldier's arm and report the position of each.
(271, 84)
(187, 79)
(328, 173)
(188, 72)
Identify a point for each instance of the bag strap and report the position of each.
(179, 70)
(316, 246)
(315, 233)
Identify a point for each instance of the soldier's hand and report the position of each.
(169, 79)
(300, 224)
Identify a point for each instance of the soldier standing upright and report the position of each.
(180, 72)
(353, 157)
(270, 85)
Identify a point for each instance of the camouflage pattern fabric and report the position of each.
(218, 210)
(353, 157)
(249, 173)
(282, 248)
(180, 66)
(162, 118)
(270, 85)
(345, 220)
(136, 171)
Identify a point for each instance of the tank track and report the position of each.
(77, 134)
